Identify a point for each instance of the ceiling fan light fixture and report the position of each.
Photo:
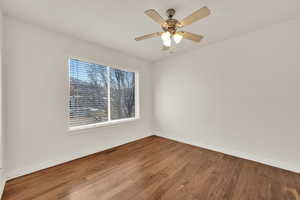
(166, 38)
(171, 25)
(177, 38)
(167, 44)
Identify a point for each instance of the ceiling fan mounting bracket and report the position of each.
(171, 12)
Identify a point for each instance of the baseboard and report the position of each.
(247, 156)
(51, 163)
(44, 165)
(2, 185)
(60, 160)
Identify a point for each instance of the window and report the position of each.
(100, 94)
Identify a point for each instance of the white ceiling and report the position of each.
(115, 23)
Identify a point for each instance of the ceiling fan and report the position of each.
(171, 25)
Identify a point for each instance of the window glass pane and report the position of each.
(122, 94)
(88, 93)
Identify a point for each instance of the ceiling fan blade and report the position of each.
(156, 17)
(152, 35)
(197, 15)
(190, 36)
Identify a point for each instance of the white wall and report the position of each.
(2, 177)
(240, 96)
(36, 91)
(1, 128)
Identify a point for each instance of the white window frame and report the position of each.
(109, 122)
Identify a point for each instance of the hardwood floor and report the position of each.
(157, 168)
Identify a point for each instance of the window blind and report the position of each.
(93, 88)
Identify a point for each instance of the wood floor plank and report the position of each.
(156, 168)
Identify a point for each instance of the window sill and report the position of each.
(102, 124)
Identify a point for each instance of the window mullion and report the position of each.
(108, 94)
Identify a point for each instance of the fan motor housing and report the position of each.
(172, 25)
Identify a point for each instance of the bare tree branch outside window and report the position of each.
(122, 93)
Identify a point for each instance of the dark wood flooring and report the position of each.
(156, 168)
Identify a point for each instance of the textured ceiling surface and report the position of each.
(115, 24)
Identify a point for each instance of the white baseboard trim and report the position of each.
(44, 165)
(2, 185)
(247, 156)
(11, 174)
(51, 163)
